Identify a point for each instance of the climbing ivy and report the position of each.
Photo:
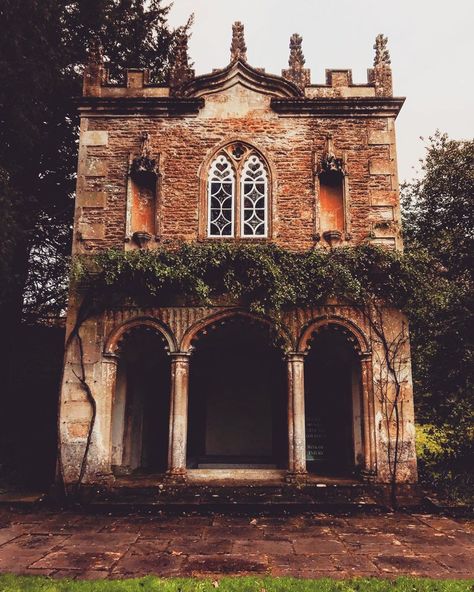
(263, 277)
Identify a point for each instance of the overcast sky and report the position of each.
(431, 43)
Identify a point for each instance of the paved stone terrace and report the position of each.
(66, 544)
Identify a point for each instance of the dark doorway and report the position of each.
(332, 405)
(140, 424)
(237, 399)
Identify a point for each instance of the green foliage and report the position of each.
(10, 583)
(263, 277)
(439, 217)
(41, 64)
(438, 212)
(445, 457)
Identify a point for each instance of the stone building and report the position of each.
(198, 393)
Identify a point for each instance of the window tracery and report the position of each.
(254, 198)
(238, 194)
(221, 192)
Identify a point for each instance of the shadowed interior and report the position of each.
(237, 399)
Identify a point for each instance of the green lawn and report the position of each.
(9, 583)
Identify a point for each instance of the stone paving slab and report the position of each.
(72, 545)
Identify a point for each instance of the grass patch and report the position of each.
(11, 583)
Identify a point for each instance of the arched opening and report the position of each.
(141, 407)
(237, 398)
(333, 404)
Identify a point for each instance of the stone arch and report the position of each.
(354, 334)
(113, 341)
(193, 332)
(229, 140)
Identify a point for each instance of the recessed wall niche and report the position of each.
(142, 196)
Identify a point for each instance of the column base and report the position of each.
(176, 476)
(296, 478)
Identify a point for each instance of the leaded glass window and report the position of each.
(254, 189)
(221, 198)
(237, 194)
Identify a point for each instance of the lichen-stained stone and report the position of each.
(92, 199)
(91, 230)
(380, 137)
(95, 167)
(381, 166)
(95, 138)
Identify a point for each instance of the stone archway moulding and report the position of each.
(113, 340)
(362, 342)
(194, 330)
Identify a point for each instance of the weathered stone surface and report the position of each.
(380, 166)
(91, 230)
(92, 199)
(95, 138)
(380, 137)
(95, 167)
(351, 546)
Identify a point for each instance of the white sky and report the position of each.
(431, 43)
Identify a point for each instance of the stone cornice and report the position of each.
(339, 107)
(242, 73)
(154, 106)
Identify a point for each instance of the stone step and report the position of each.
(241, 500)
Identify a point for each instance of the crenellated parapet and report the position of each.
(295, 81)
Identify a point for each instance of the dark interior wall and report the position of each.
(142, 404)
(329, 370)
(237, 397)
(28, 434)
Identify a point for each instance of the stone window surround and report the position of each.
(238, 163)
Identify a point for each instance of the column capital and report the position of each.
(180, 356)
(295, 356)
(111, 358)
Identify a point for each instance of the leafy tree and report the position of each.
(42, 53)
(439, 218)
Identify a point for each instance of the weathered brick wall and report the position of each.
(291, 144)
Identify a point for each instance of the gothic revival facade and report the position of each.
(240, 155)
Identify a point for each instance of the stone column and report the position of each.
(296, 417)
(178, 415)
(103, 427)
(368, 424)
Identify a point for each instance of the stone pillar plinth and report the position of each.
(103, 424)
(296, 418)
(178, 415)
(370, 464)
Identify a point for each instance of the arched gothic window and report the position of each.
(221, 191)
(237, 194)
(254, 192)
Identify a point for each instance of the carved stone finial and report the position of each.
(95, 51)
(329, 162)
(297, 73)
(238, 49)
(145, 144)
(180, 72)
(382, 55)
(296, 60)
(144, 169)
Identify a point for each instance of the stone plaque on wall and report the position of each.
(315, 439)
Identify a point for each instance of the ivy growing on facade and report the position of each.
(267, 278)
